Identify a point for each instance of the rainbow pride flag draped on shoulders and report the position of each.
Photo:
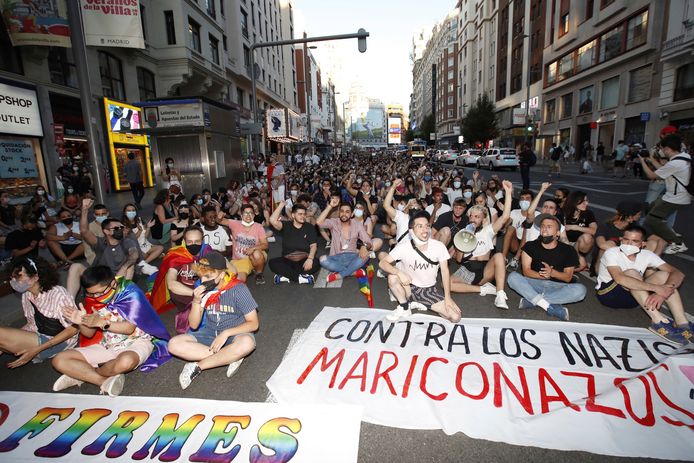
(176, 257)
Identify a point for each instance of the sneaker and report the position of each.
(487, 289)
(65, 382)
(418, 306)
(668, 331)
(359, 273)
(674, 248)
(500, 300)
(380, 274)
(398, 313)
(559, 311)
(525, 304)
(687, 331)
(147, 269)
(332, 276)
(113, 386)
(280, 279)
(233, 367)
(259, 279)
(306, 279)
(372, 255)
(512, 264)
(190, 371)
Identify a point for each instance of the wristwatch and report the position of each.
(106, 326)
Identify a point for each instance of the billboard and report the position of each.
(368, 127)
(394, 130)
(276, 123)
(34, 22)
(122, 117)
(112, 24)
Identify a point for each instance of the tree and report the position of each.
(427, 127)
(409, 135)
(480, 123)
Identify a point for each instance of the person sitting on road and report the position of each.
(516, 228)
(631, 276)
(547, 267)
(482, 266)
(140, 231)
(26, 240)
(46, 331)
(344, 259)
(64, 240)
(216, 236)
(413, 280)
(299, 245)
(222, 320)
(250, 245)
(451, 222)
(128, 328)
(549, 206)
(437, 206)
(580, 225)
(398, 210)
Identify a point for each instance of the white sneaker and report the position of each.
(487, 289)
(380, 274)
(147, 269)
(512, 264)
(417, 306)
(372, 255)
(674, 248)
(113, 386)
(398, 313)
(233, 367)
(190, 371)
(500, 300)
(271, 239)
(65, 382)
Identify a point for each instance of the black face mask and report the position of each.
(117, 235)
(183, 215)
(547, 239)
(67, 222)
(209, 285)
(194, 249)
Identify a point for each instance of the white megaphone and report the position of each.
(465, 241)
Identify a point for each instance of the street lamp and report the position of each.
(307, 82)
(527, 86)
(344, 127)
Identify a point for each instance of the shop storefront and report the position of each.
(121, 119)
(21, 159)
(67, 116)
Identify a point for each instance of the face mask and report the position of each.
(388, 184)
(117, 235)
(105, 298)
(247, 224)
(401, 207)
(467, 194)
(209, 285)
(629, 249)
(417, 241)
(67, 221)
(194, 249)
(100, 218)
(21, 286)
(358, 213)
(183, 215)
(76, 169)
(359, 179)
(169, 164)
(547, 239)
(524, 205)
(40, 192)
(70, 190)
(456, 185)
(293, 192)
(198, 202)
(131, 214)
(207, 197)
(427, 178)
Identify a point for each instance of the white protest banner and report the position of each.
(597, 388)
(112, 24)
(86, 428)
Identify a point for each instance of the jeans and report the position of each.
(554, 292)
(345, 263)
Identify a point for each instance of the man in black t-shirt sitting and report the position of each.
(27, 240)
(299, 246)
(548, 268)
(451, 222)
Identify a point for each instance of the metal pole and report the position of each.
(527, 93)
(308, 100)
(254, 104)
(79, 51)
(344, 128)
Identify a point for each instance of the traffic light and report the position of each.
(361, 41)
(530, 128)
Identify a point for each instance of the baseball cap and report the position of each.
(213, 260)
(668, 130)
(629, 208)
(541, 217)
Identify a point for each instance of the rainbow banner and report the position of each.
(87, 428)
(610, 390)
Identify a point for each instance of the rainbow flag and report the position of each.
(176, 257)
(365, 284)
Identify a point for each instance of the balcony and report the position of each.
(678, 45)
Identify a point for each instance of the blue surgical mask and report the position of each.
(524, 205)
(100, 218)
(467, 194)
(427, 178)
(131, 214)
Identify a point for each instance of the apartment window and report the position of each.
(564, 24)
(224, 42)
(450, 75)
(639, 84)
(450, 113)
(492, 48)
(221, 7)
(610, 93)
(551, 73)
(586, 56)
(450, 62)
(194, 34)
(210, 7)
(111, 72)
(214, 48)
(244, 23)
(143, 21)
(566, 66)
(170, 27)
(605, 3)
(239, 97)
(62, 67)
(611, 43)
(550, 107)
(590, 6)
(637, 27)
(684, 82)
(450, 88)
(491, 71)
(145, 83)
(246, 56)
(450, 100)
(566, 106)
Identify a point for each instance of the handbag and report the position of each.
(46, 325)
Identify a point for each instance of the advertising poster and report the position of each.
(276, 123)
(112, 24)
(17, 159)
(19, 111)
(369, 126)
(394, 130)
(37, 22)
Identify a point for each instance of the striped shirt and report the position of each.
(231, 310)
(50, 303)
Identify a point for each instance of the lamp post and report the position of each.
(344, 127)
(527, 86)
(334, 108)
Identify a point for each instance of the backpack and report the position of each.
(556, 153)
(532, 158)
(689, 186)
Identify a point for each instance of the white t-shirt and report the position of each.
(517, 219)
(614, 257)
(486, 240)
(423, 273)
(454, 194)
(680, 169)
(402, 223)
(218, 239)
(442, 210)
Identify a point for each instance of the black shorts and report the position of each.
(471, 271)
(68, 248)
(616, 296)
(427, 296)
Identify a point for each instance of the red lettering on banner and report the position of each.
(4, 412)
(523, 399)
(423, 378)
(385, 373)
(649, 419)
(362, 361)
(325, 364)
(459, 381)
(591, 395)
(669, 403)
(543, 378)
(408, 378)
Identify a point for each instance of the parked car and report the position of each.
(449, 156)
(498, 158)
(468, 157)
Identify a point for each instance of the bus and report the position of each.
(416, 149)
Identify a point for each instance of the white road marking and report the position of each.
(683, 256)
(583, 187)
(296, 335)
(321, 281)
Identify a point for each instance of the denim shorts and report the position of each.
(51, 351)
(207, 334)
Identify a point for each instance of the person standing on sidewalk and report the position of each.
(133, 174)
(677, 174)
(526, 159)
(555, 153)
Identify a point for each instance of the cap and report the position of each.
(629, 208)
(667, 130)
(541, 217)
(213, 260)
(637, 145)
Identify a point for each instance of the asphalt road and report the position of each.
(286, 308)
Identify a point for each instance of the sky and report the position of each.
(385, 69)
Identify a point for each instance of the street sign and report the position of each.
(432, 136)
(519, 116)
(255, 128)
(645, 117)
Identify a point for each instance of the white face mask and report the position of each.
(524, 205)
(456, 184)
(467, 194)
(294, 192)
(629, 249)
(388, 184)
(401, 207)
(416, 240)
(358, 213)
(247, 224)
